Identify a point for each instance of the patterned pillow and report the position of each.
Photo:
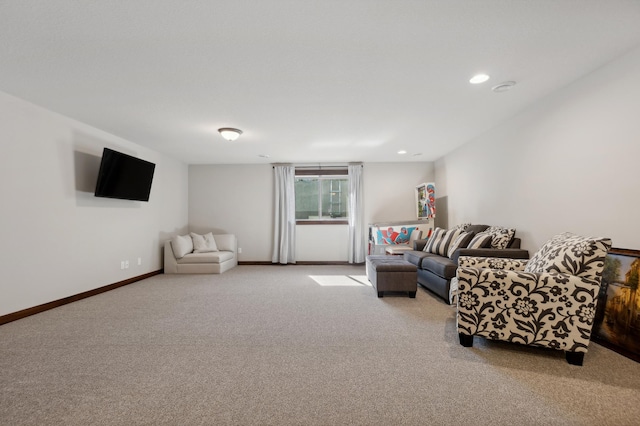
(500, 237)
(480, 240)
(440, 241)
(462, 226)
(460, 242)
(571, 254)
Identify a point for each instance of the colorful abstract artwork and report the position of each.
(426, 200)
(384, 234)
(395, 235)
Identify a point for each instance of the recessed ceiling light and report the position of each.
(263, 155)
(402, 152)
(503, 87)
(416, 154)
(479, 78)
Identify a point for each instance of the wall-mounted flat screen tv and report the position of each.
(123, 176)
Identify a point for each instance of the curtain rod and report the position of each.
(319, 166)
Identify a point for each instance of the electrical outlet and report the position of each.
(122, 264)
(126, 264)
(139, 261)
(239, 250)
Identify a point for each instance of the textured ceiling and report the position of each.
(307, 81)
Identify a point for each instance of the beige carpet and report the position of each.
(270, 345)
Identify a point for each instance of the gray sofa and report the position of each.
(435, 271)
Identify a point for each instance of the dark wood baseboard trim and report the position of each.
(50, 305)
(300, 263)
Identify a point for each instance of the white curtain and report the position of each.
(284, 229)
(357, 241)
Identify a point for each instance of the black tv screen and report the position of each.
(123, 176)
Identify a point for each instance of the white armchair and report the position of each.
(548, 301)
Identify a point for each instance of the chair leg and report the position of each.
(466, 340)
(575, 358)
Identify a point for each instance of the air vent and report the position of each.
(503, 87)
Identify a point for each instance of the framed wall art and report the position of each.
(426, 201)
(617, 319)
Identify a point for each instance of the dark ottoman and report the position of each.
(392, 273)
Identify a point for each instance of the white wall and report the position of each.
(389, 189)
(239, 199)
(568, 163)
(235, 199)
(58, 239)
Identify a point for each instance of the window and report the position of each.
(321, 196)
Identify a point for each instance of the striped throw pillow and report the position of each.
(440, 241)
(435, 237)
(480, 240)
(460, 242)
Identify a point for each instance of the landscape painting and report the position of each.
(617, 321)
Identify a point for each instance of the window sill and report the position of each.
(322, 222)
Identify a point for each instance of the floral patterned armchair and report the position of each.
(548, 301)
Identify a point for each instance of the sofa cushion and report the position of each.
(480, 240)
(441, 266)
(203, 243)
(571, 254)
(440, 240)
(461, 242)
(209, 257)
(415, 257)
(181, 245)
(500, 237)
(226, 242)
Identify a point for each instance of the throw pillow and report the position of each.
(460, 242)
(571, 254)
(500, 237)
(434, 238)
(440, 240)
(476, 229)
(203, 243)
(480, 240)
(462, 226)
(181, 245)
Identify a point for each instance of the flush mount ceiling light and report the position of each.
(230, 133)
(503, 87)
(479, 78)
